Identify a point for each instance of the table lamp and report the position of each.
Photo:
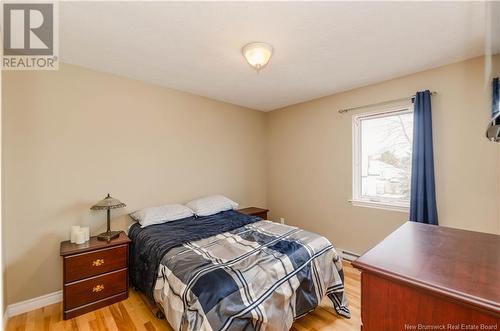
(107, 204)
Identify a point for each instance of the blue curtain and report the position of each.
(496, 97)
(423, 207)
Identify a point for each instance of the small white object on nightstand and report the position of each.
(80, 237)
(86, 232)
(74, 230)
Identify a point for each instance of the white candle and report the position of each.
(74, 230)
(86, 232)
(80, 237)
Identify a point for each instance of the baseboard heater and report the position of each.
(349, 256)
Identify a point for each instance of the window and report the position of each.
(382, 155)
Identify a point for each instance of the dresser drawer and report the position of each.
(94, 263)
(95, 288)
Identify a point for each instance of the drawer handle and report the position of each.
(98, 263)
(98, 288)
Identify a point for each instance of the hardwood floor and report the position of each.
(135, 314)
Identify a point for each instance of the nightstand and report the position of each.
(95, 274)
(254, 211)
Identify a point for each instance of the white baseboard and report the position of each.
(348, 256)
(32, 304)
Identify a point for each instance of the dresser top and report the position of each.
(460, 264)
(67, 248)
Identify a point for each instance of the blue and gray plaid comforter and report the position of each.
(149, 245)
(251, 275)
(259, 276)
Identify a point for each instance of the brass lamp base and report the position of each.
(108, 236)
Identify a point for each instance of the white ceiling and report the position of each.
(320, 48)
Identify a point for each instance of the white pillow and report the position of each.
(162, 214)
(211, 205)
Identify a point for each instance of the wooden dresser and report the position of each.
(425, 275)
(254, 211)
(95, 274)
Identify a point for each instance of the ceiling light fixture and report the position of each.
(257, 54)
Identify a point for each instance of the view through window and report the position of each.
(383, 155)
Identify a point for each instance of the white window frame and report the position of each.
(357, 199)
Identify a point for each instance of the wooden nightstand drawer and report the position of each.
(94, 263)
(95, 288)
(95, 274)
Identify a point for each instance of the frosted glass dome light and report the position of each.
(257, 54)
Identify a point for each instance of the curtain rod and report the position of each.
(345, 110)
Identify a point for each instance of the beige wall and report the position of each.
(71, 136)
(310, 158)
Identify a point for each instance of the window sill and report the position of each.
(404, 208)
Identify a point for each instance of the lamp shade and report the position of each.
(257, 54)
(108, 203)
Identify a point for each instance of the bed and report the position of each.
(231, 271)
